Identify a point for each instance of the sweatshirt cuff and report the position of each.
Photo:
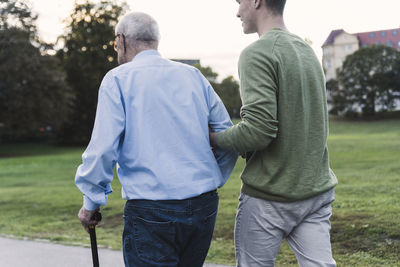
(89, 205)
(222, 141)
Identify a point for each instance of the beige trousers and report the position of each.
(261, 226)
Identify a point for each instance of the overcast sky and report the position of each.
(209, 30)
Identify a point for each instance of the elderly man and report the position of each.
(152, 121)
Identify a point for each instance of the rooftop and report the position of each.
(332, 37)
(389, 37)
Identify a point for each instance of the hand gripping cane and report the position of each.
(93, 242)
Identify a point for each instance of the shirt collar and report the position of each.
(145, 53)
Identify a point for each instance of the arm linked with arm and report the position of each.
(219, 120)
(259, 125)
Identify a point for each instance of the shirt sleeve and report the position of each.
(259, 125)
(95, 174)
(219, 120)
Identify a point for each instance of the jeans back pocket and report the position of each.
(155, 241)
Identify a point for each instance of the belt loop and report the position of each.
(190, 207)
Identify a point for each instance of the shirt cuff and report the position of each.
(89, 205)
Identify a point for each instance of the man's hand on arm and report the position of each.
(85, 216)
(213, 137)
(213, 143)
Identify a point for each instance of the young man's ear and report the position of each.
(257, 3)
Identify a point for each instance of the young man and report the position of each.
(152, 120)
(287, 183)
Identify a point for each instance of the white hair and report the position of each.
(139, 27)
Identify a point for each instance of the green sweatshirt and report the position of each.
(284, 126)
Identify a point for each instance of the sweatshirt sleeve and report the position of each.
(258, 89)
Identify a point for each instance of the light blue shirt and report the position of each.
(152, 122)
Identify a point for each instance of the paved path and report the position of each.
(22, 253)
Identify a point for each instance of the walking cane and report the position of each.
(93, 241)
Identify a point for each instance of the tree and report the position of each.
(208, 73)
(396, 79)
(336, 97)
(367, 80)
(34, 97)
(227, 90)
(17, 14)
(87, 56)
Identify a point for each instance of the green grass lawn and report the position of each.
(39, 200)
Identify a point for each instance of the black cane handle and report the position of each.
(96, 216)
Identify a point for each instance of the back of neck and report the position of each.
(269, 23)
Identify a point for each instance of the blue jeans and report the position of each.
(169, 232)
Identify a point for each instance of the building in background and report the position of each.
(340, 44)
(190, 62)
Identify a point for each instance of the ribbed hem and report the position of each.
(253, 192)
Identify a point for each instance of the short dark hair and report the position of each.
(276, 6)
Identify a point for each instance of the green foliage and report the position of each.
(367, 81)
(227, 90)
(33, 91)
(336, 97)
(87, 55)
(17, 14)
(365, 221)
(208, 72)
